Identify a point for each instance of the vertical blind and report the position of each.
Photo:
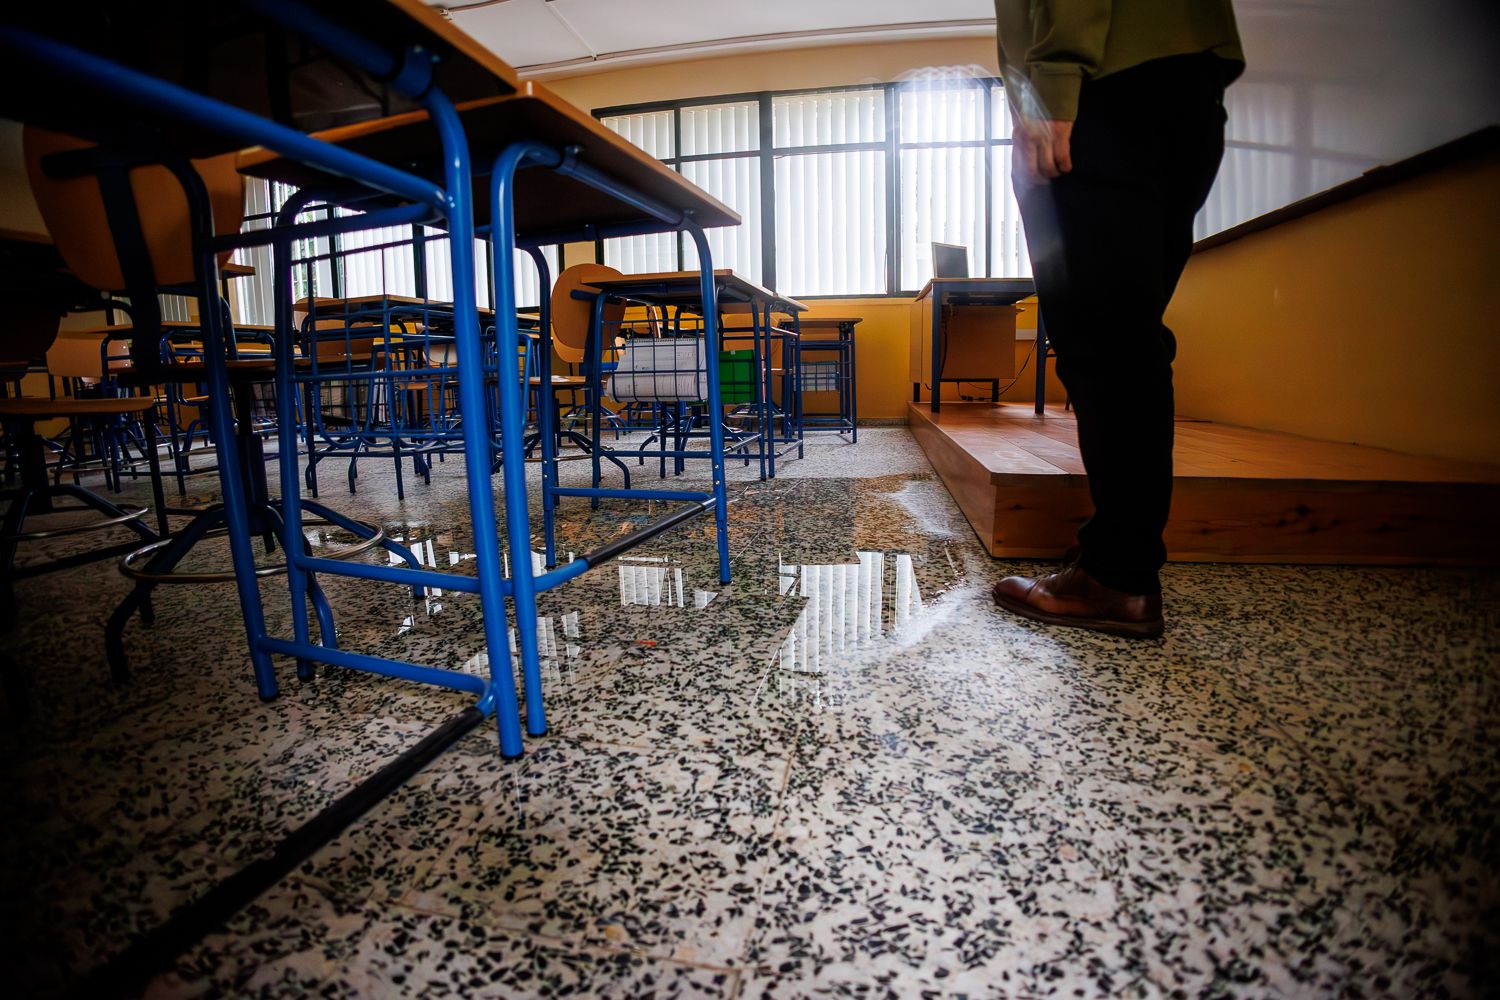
(943, 187)
(364, 262)
(252, 295)
(389, 269)
(1010, 258)
(718, 152)
(831, 218)
(713, 131)
(656, 133)
(1260, 156)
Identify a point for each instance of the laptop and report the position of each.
(950, 260)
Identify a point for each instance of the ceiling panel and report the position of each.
(612, 25)
(537, 32)
(522, 32)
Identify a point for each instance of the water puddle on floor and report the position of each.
(826, 574)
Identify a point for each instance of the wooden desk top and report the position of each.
(546, 202)
(682, 286)
(230, 269)
(228, 51)
(380, 298)
(1005, 291)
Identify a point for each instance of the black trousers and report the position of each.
(1108, 242)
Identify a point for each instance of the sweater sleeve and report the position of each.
(1067, 47)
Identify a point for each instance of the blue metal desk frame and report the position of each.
(841, 345)
(411, 73)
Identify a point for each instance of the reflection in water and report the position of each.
(558, 638)
(848, 604)
(656, 582)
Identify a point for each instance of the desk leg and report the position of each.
(937, 351)
(292, 539)
(546, 411)
(593, 372)
(792, 381)
(853, 389)
(472, 406)
(708, 292)
(1041, 364)
(221, 420)
(767, 410)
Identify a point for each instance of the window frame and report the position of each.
(892, 146)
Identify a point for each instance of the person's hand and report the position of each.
(1045, 147)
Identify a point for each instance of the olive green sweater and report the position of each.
(1049, 47)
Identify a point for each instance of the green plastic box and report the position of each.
(736, 376)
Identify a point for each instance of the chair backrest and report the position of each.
(571, 317)
(359, 345)
(31, 328)
(76, 354)
(73, 209)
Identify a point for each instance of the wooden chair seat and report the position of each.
(42, 409)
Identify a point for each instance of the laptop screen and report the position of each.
(950, 261)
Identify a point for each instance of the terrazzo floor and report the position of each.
(842, 774)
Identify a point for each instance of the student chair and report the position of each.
(38, 495)
(572, 317)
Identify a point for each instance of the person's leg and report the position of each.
(1109, 241)
(1097, 250)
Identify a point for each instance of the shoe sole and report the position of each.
(1125, 630)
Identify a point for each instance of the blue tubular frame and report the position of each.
(513, 413)
(221, 423)
(545, 410)
(411, 75)
(708, 289)
(292, 538)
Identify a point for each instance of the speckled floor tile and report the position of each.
(842, 774)
(290, 942)
(652, 850)
(413, 954)
(83, 894)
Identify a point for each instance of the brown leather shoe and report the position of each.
(1072, 597)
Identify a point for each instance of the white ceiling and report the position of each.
(556, 37)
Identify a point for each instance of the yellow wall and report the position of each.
(1376, 321)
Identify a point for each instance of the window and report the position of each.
(376, 261)
(830, 176)
(363, 262)
(254, 294)
(944, 175)
(717, 147)
(440, 272)
(862, 181)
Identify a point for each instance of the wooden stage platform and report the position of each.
(1240, 495)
